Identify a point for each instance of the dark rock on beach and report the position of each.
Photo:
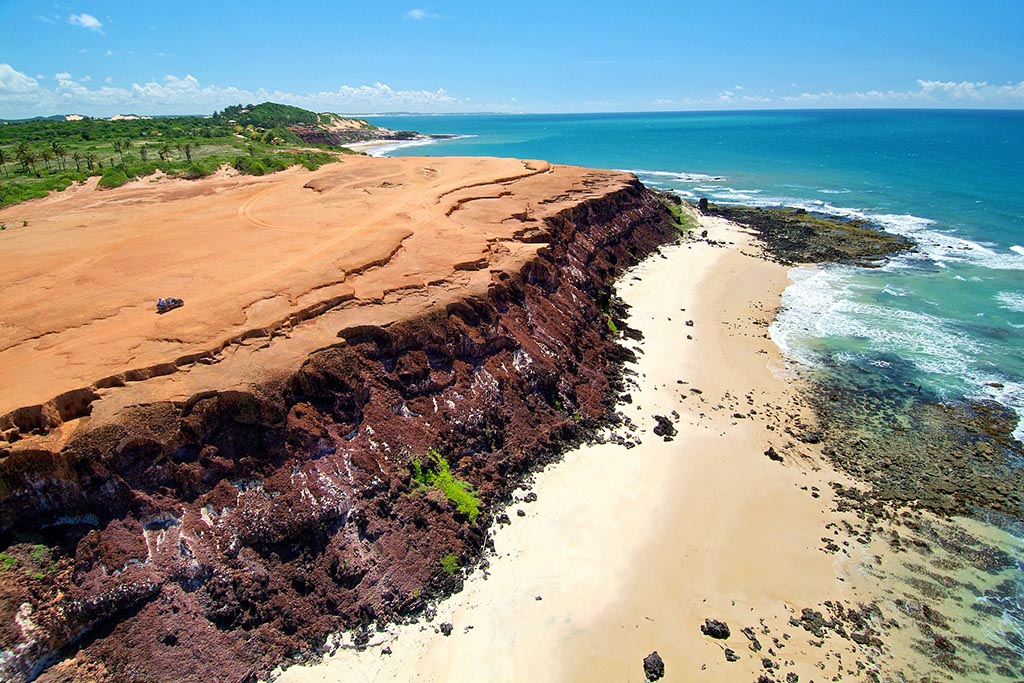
(654, 667)
(715, 629)
(664, 428)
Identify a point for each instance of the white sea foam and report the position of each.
(828, 302)
(384, 150)
(824, 303)
(681, 176)
(834, 191)
(939, 247)
(1012, 301)
(1002, 391)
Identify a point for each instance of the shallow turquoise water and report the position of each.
(948, 318)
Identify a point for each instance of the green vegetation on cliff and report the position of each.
(684, 219)
(436, 473)
(267, 115)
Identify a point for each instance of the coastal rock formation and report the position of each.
(792, 236)
(371, 357)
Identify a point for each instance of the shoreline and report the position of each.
(379, 148)
(653, 558)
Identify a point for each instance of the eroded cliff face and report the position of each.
(208, 538)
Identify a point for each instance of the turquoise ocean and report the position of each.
(948, 317)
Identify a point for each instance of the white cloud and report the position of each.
(421, 14)
(929, 93)
(22, 96)
(86, 21)
(14, 82)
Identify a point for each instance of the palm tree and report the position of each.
(165, 151)
(3, 161)
(28, 161)
(188, 151)
(118, 145)
(144, 152)
(21, 153)
(60, 152)
(90, 159)
(47, 156)
(77, 157)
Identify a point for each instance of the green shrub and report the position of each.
(450, 564)
(684, 220)
(438, 474)
(114, 177)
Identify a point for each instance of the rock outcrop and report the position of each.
(211, 536)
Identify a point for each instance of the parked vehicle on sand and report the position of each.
(168, 304)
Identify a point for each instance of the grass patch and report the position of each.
(683, 219)
(450, 564)
(38, 562)
(435, 472)
(7, 561)
(612, 327)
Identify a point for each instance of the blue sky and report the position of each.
(107, 57)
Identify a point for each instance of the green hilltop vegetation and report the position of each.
(38, 156)
(271, 115)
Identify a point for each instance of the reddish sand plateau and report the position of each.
(269, 269)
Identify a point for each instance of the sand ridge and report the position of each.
(367, 240)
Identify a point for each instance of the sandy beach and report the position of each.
(627, 551)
